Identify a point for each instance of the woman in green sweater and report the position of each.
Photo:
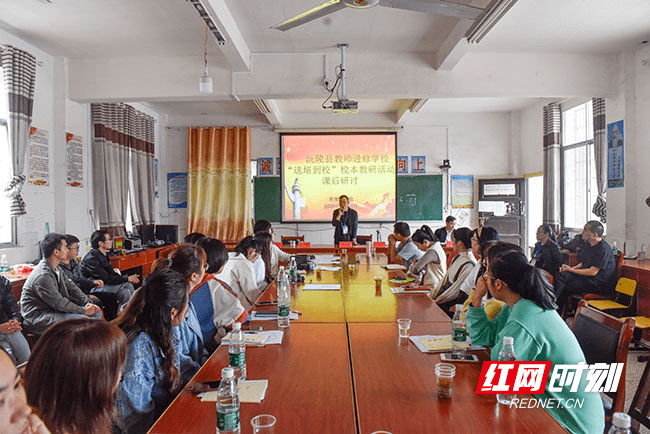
(529, 316)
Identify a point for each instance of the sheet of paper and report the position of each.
(507, 189)
(327, 268)
(394, 267)
(252, 391)
(257, 338)
(400, 290)
(499, 208)
(321, 287)
(437, 343)
(485, 206)
(270, 316)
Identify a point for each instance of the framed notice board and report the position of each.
(419, 197)
(268, 199)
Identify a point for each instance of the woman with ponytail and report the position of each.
(539, 334)
(239, 271)
(151, 373)
(433, 264)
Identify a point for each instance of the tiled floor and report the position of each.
(634, 372)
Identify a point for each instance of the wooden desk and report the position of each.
(310, 386)
(639, 270)
(142, 260)
(396, 390)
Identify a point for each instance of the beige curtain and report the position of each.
(219, 185)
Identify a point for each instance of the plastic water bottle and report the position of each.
(237, 352)
(507, 354)
(4, 264)
(621, 424)
(227, 404)
(459, 332)
(293, 270)
(284, 300)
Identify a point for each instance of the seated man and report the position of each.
(106, 300)
(444, 233)
(96, 265)
(407, 251)
(277, 254)
(596, 272)
(48, 295)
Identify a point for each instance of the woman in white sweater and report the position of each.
(453, 289)
(239, 271)
(431, 267)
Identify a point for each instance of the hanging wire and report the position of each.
(205, 47)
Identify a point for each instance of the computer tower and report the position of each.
(167, 233)
(147, 233)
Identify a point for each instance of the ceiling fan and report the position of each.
(438, 7)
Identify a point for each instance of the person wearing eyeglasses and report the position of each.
(97, 266)
(539, 333)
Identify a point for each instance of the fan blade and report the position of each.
(319, 11)
(437, 7)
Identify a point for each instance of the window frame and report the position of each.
(588, 144)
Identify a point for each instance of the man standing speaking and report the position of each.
(345, 221)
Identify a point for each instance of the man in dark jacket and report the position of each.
(444, 233)
(48, 295)
(345, 221)
(97, 266)
(70, 266)
(11, 339)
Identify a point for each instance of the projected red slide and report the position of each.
(318, 168)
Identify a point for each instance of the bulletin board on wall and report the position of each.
(418, 197)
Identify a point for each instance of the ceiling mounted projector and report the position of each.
(438, 7)
(345, 106)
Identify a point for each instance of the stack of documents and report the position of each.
(263, 315)
(394, 267)
(402, 290)
(249, 391)
(328, 268)
(437, 343)
(267, 337)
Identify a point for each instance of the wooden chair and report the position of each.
(604, 339)
(286, 240)
(364, 239)
(639, 409)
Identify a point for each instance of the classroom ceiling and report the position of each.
(93, 30)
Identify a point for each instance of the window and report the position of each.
(6, 222)
(578, 166)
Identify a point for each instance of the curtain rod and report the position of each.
(334, 130)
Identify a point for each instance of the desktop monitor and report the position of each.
(167, 233)
(146, 233)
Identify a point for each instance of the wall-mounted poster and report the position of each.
(74, 160)
(177, 190)
(615, 161)
(402, 164)
(462, 191)
(265, 166)
(39, 156)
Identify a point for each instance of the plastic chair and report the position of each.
(604, 339)
(624, 297)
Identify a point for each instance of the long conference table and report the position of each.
(341, 368)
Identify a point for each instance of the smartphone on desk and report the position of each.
(447, 357)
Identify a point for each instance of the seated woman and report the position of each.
(16, 416)
(11, 339)
(239, 271)
(453, 290)
(539, 334)
(151, 374)
(72, 375)
(547, 254)
(189, 261)
(277, 255)
(215, 305)
(263, 263)
(430, 268)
